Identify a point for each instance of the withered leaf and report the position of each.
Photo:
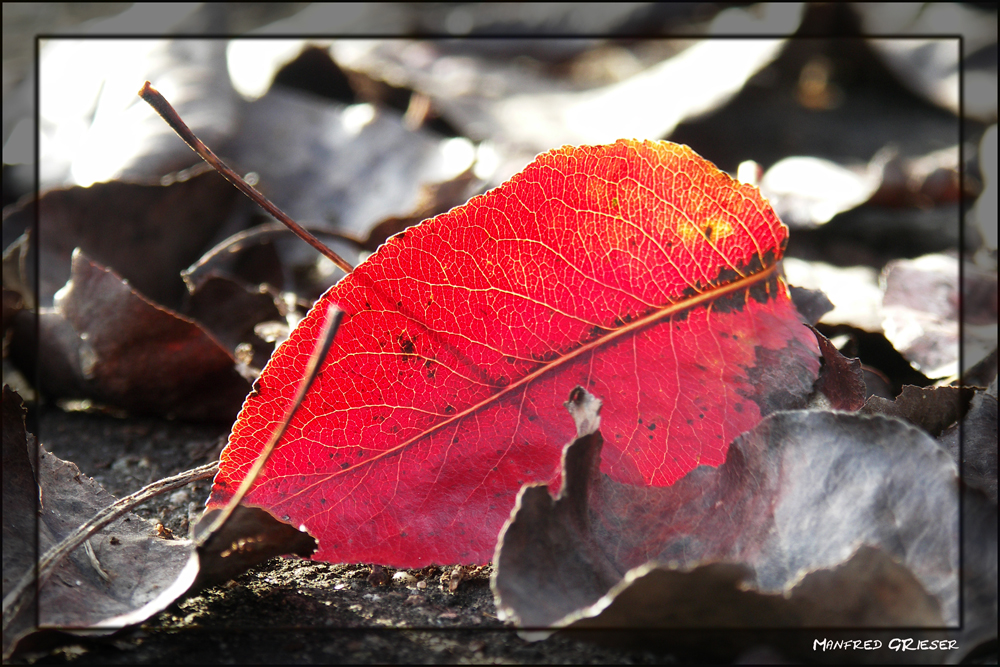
(974, 445)
(806, 501)
(106, 342)
(841, 380)
(812, 304)
(930, 408)
(124, 568)
(159, 230)
(921, 306)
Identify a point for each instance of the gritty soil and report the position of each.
(287, 610)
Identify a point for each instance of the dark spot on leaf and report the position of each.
(738, 407)
(406, 344)
(449, 410)
(732, 302)
(726, 276)
(345, 466)
(652, 427)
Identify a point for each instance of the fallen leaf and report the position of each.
(921, 308)
(122, 569)
(98, 133)
(853, 291)
(841, 381)
(981, 373)
(808, 503)
(327, 149)
(522, 115)
(809, 191)
(160, 230)
(812, 304)
(931, 408)
(106, 342)
(637, 269)
(974, 445)
(230, 311)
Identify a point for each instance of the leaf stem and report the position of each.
(333, 318)
(153, 97)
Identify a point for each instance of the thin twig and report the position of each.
(14, 601)
(162, 107)
(333, 317)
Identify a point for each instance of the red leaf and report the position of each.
(637, 270)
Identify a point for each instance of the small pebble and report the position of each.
(403, 577)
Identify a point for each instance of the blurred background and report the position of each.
(871, 128)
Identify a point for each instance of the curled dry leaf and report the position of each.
(120, 570)
(931, 408)
(841, 381)
(230, 311)
(638, 269)
(124, 572)
(106, 342)
(806, 503)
